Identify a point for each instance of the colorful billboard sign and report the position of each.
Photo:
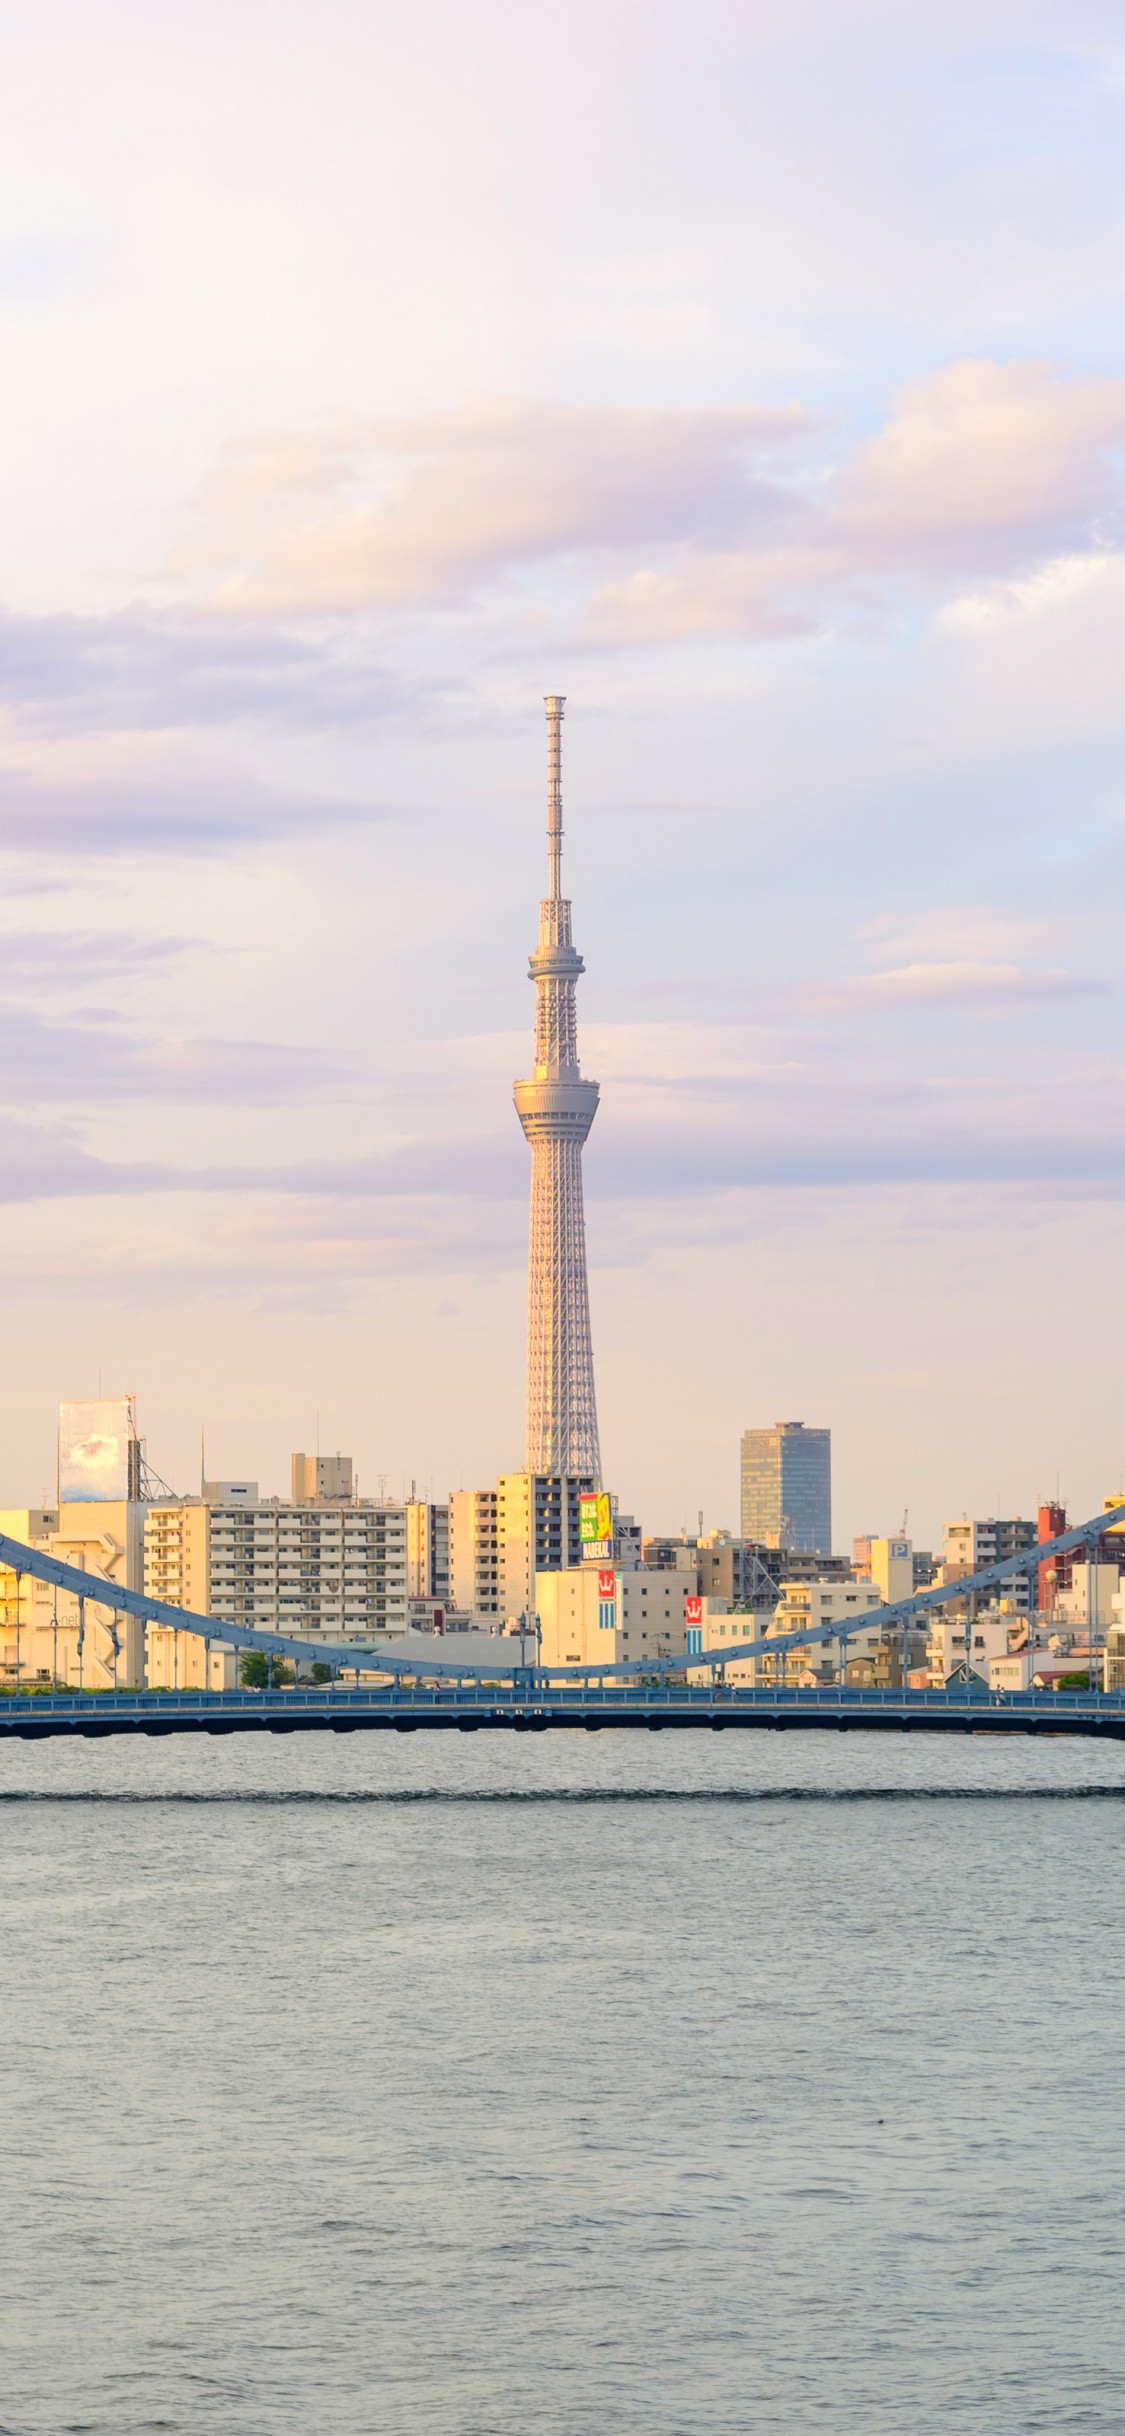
(595, 1522)
(607, 1583)
(94, 1452)
(693, 1611)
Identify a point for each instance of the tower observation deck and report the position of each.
(556, 1108)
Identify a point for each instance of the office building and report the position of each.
(787, 1487)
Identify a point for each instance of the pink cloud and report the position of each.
(960, 983)
(673, 521)
(427, 508)
(981, 469)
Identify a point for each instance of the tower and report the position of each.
(556, 1108)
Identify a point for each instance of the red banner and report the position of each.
(693, 1611)
(607, 1582)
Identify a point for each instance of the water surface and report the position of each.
(563, 2086)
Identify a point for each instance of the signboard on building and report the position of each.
(607, 1582)
(595, 1521)
(693, 1611)
(94, 1443)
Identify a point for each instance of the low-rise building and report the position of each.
(1113, 1662)
(593, 1615)
(54, 1636)
(991, 1635)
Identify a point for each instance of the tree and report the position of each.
(1073, 1683)
(320, 1672)
(260, 1674)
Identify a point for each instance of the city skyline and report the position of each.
(720, 438)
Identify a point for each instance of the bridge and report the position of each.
(405, 1692)
(406, 1708)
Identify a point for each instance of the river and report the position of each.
(571, 2085)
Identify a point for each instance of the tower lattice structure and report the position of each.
(556, 1108)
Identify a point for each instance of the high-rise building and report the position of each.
(427, 1549)
(538, 1530)
(556, 1108)
(473, 1570)
(787, 1487)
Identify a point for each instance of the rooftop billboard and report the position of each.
(94, 1452)
(595, 1521)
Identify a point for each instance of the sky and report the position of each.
(754, 376)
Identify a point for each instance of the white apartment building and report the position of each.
(306, 1569)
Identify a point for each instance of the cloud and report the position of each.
(133, 797)
(673, 521)
(422, 510)
(67, 960)
(93, 1059)
(955, 984)
(139, 669)
(983, 469)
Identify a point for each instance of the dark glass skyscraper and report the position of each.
(787, 1487)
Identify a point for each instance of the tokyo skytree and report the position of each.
(556, 1108)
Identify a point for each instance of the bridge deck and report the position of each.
(30, 1717)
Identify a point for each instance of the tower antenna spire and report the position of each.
(554, 704)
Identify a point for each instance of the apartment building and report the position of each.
(537, 1532)
(427, 1550)
(304, 1568)
(474, 1571)
(970, 1546)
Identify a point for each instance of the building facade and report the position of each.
(787, 1487)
